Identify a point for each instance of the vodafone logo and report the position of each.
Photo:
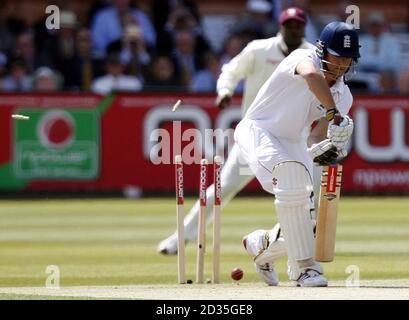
(179, 186)
(217, 184)
(203, 184)
(56, 129)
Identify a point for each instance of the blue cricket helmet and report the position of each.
(340, 39)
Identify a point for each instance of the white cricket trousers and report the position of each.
(262, 151)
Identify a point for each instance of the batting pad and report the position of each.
(292, 191)
(317, 172)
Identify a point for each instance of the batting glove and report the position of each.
(340, 134)
(342, 153)
(323, 153)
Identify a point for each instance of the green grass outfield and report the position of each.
(112, 242)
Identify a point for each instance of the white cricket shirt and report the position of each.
(255, 63)
(285, 106)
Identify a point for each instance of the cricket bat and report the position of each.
(327, 212)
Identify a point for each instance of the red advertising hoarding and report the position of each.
(128, 138)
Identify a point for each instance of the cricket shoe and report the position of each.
(169, 246)
(267, 274)
(311, 278)
(257, 244)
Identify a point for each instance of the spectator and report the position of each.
(160, 13)
(380, 51)
(313, 26)
(68, 24)
(388, 83)
(233, 46)
(57, 47)
(257, 22)
(186, 61)
(46, 80)
(380, 56)
(162, 76)
(205, 80)
(165, 11)
(96, 6)
(132, 49)
(18, 79)
(3, 64)
(108, 25)
(181, 18)
(83, 67)
(115, 79)
(403, 83)
(6, 36)
(25, 48)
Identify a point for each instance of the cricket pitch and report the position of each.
(368, 290)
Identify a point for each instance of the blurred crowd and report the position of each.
(165, 49)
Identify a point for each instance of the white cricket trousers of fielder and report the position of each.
(283, 168)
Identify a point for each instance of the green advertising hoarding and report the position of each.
(57, 144)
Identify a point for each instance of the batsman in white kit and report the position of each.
(307, 86)
(255, 64)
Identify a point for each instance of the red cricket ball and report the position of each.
(237, 274)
